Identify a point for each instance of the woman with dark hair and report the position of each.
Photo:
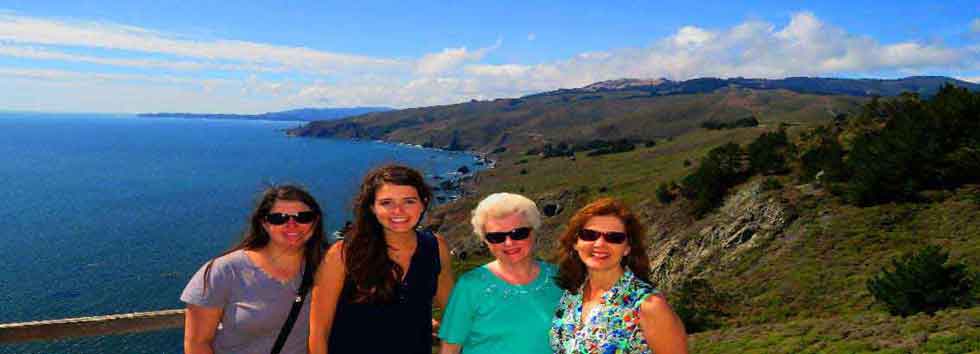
(377, 297)
(239, 302)
(609, 305)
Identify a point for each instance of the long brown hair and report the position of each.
(255, 237)
(372, 275)
(571, 269)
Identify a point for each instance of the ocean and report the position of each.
(105, 214)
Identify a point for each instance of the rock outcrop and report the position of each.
(748, 219)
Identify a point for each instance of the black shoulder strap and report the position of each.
(304, 288)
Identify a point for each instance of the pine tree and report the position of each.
(922, 282)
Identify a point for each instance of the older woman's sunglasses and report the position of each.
(592, 235)
(517, 234)
(303, 217)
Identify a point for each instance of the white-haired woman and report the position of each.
(505, 306)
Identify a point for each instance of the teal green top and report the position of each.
(488, 315)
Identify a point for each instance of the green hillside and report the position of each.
(640, 110)
(575, 117)
(796, 281)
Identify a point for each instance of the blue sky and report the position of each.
(219, 56)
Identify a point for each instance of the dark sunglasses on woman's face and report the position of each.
(303, 217)
(515, 234)
(592, 235)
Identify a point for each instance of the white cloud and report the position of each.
(64, 75)
(689, 36)
(497, 70)
(33, 52)
(450, 59)
(594, 55)
(28, 30)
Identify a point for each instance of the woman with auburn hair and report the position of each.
(377, 297)
(505, 306)
(243, 301)
(609, 305)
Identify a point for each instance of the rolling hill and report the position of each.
(627, 108)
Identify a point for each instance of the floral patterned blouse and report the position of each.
(612, 326)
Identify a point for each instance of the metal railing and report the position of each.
(91, 326)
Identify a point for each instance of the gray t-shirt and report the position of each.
(255, 306)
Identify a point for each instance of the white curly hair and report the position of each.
(500, 205)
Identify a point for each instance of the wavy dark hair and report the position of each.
(371, 274)
(255, 237)
(571, 269)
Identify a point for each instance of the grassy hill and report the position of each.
(574, 117)
(798, 289)
(787, 260)
(633, 109)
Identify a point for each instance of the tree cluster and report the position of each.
(921, 144)
(720, 170)
(595, 147)
(892, 150)
(746, 122)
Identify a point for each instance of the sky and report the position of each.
(260, 56)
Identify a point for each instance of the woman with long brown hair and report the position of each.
(250, 289)
(609, 305)
(377, 297)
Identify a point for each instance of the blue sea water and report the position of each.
(103, 214)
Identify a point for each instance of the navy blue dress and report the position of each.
(403, 326)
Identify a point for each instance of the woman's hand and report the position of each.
(327, 286)
(200, 325)
(661, 327)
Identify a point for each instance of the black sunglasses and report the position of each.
(517, 234)
(592, 235)
(303, 217)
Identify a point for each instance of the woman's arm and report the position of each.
(449, 348)
(446, 278)
(661, 327)
(328, 285)
(200, 325)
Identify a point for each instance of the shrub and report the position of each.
(622, 145)
(699, 306)
(922, 282)
(664, 196)
(823, 154)
(739, 123)
(771, 184)
(560, 150)
(767, 153)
